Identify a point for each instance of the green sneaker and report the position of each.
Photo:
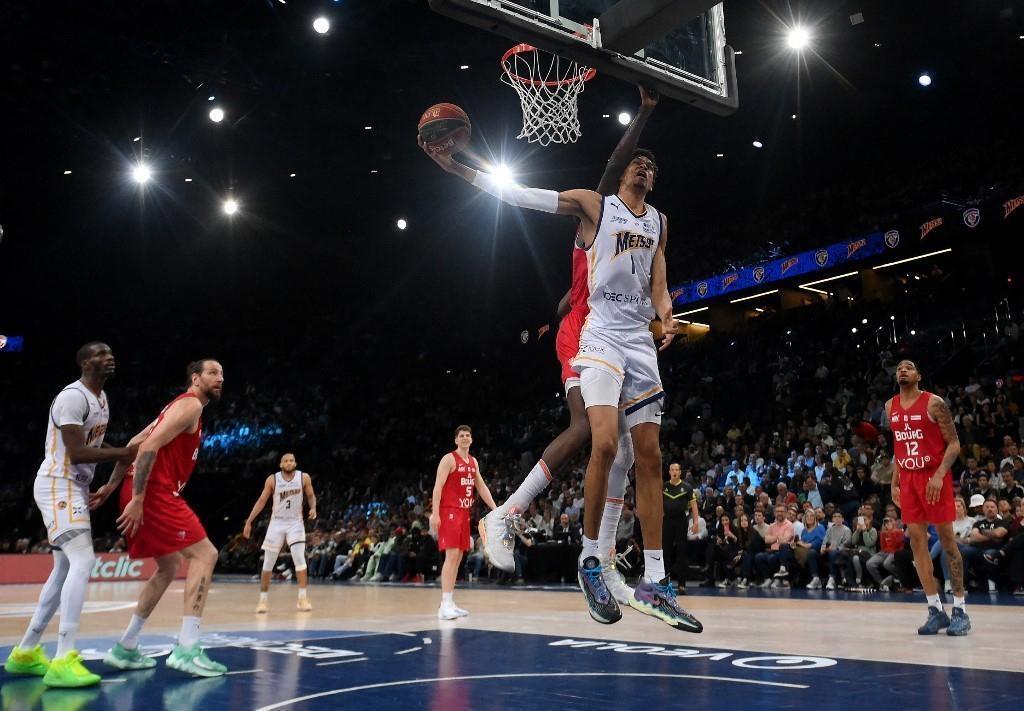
(68, 672)
(28, 662)
(128, 659)
(193, 660)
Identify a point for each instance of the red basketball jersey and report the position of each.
(917, 439)
(460, 487)
(580, 290)
(176, 459)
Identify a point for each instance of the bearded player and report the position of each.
(500, 524)
(625, 239)
(287, 488)
(925, 445)
(75, 429)
(157, 523)
(458, 478)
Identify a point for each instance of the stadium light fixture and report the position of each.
(141, 173)
(798, 38)
(757, 144)
(754, 296)
(230, 206)
(321, 25)
(911, 259)
(925, 79)
(625, 118)
(692, 311)
(401, 224)
(831, 278)
(67, 172)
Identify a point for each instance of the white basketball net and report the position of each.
(548, 88)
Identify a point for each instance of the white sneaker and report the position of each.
(723, 584)
(742, 584)
(831, 584)
(460, 612)
(948, 589)
(498, 531)
(782, 573)
(615, 582)
(992, 586)
(815, 584)
(886, 582)
(447, 612)
(376, 578)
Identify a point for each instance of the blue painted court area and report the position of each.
(453, 669)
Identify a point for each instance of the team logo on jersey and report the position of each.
(892, 239)
(729, 281)
(62, 505)
(760, 274)
(930, 225)
(789, 264)
(616, 220)
(854, 246)
(1008, 207)
(628, 241)
(702, 289)
(649, 227)
(821, 257)
(972, 217)
(895, 418)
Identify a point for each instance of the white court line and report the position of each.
(411, 649)
(408, 682)
(343, 661)
(113, 681)
(244, 671)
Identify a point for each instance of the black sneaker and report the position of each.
(600, 602)
(937, 620)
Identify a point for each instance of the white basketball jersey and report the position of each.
(287, 497)
(619, 265)
(74, 405)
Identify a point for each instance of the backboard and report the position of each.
(688, 62)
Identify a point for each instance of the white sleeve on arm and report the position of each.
(532, 198)
(69, 408)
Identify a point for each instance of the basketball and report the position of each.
(445, 128)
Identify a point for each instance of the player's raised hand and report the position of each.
(648, 97)
(442, 159)
(130, 520)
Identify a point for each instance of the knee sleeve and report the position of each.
(269, 560)
(299, 555)
(618, 476)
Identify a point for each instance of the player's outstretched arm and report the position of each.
(257, 508)
(627, 144)
(79, 452)
(307, 489)
(98, 497)
(182, 416)
(482, 489)
(444, 468)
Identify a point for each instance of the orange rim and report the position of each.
(523, 48)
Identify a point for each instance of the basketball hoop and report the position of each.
(548, 88)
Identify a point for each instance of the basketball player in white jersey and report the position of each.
(74, 446)
(286, 526)
(617, 360)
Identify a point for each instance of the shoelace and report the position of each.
(595, 580)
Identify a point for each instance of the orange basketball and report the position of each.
(445, 128)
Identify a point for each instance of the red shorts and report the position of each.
(454, 529)
(168, 524)
(567, 342)
(913, 504)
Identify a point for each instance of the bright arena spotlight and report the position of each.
(624, 118)
(230, 206)
(321, 25)
(798, 38)
(401, 223)
(925, 79)
(142, 173)
(503, 174)
(216, 114)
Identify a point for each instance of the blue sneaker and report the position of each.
(960, 624)
(937, 620)
(600, 602)
(659, 600)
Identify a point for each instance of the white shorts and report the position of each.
(631, 360)
(282, 532)
(64, 504)
(571, 383)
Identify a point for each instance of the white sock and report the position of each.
(49, 601)
(130, 638)
(446, 600)
(609, 524)
(935, 601)
(654, 565)
(302, 593)
(534, 483)
(72, 595)
(189, 634)
(263, 597)
(590, 548)
(960, 603)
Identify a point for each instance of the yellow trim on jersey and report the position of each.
(53, 501)
(53, 453)
(638, 398)
(591, 268)
(598, 360)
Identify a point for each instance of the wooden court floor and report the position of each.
(855, 636)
